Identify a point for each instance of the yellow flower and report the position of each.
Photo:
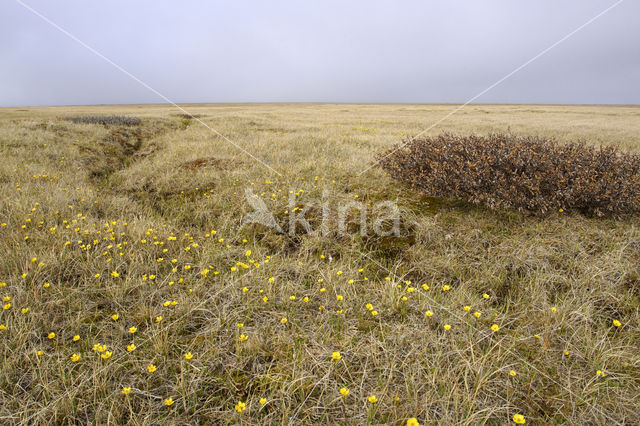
(3, 327)
(240, 406)
(495, 327)
(51, 335)
(106, 355)
(7, 306)
(76, 338)
(115, 317)
(554, 309)
(265, 299)
(46, 285)
(263, 401)
(344, 391)
(283, 320)
(133, 329)
(244, 337)
(24, 310)
(447, 327)
(374, 313)
(369, 306)
(477, 314)
(115, 274)
(617, 323)
(40, 353)
(126, 390)
(519, 419)
(485, 296)
(151, 368)
(412, 422)
(336, 356)
(600, 373)
(446, 287)
(467, 308)
(159, 318)
(131, 347)
(512, 373)
(292, 298)
(75, 357)
(373, 399)
(169, 402)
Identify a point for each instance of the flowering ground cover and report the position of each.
(133, 290)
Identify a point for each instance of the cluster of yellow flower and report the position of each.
(171, 274)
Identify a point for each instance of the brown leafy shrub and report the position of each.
(503, 171)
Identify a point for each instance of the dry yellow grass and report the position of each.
(103, 221)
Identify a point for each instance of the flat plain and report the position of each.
(134, 293)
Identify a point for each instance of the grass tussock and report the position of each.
(204, 162)
(504, 171)
(133, 294)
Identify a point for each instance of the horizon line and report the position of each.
(315, 103)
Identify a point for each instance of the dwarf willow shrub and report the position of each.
(113, 120)
(503, 171)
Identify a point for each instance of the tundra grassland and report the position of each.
(134, 293)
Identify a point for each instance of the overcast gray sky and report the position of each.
(319, 51)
